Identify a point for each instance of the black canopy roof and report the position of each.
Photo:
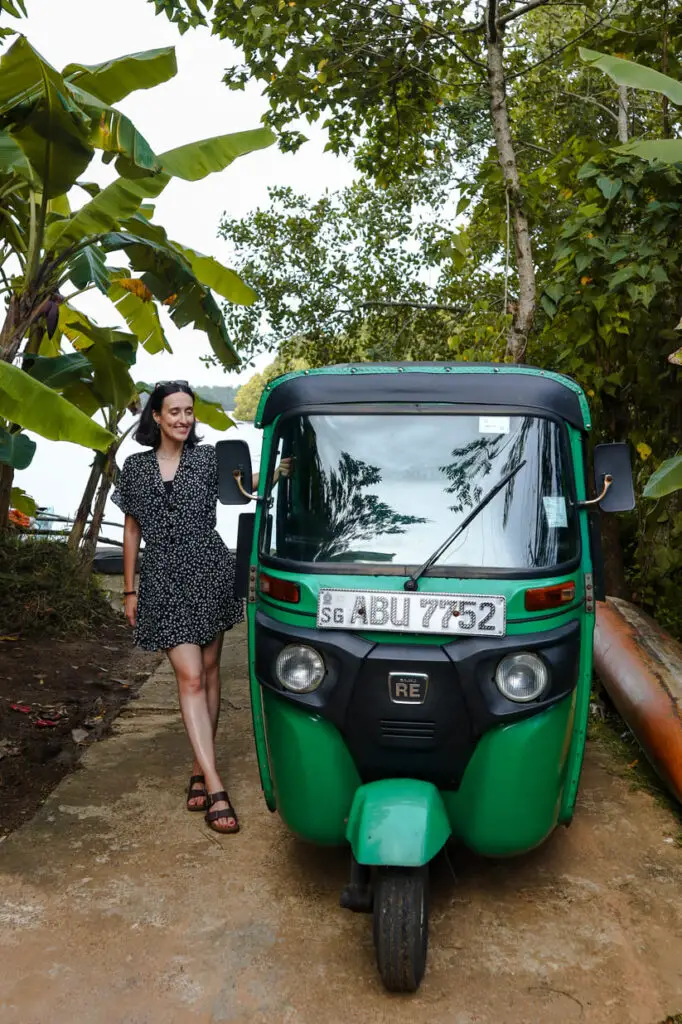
(484, 384)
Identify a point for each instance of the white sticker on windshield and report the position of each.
(555, 511)
(493, 424)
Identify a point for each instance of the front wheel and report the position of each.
(401, 926)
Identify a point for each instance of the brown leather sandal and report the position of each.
(212, 817)
(197, 788)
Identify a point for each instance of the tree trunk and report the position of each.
(78, 528)
(90, 542)
(524, 313)
(6, 480)
(612, 552)
(623, 110)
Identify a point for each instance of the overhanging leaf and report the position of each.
(142, 318)
(212, 414)
(667, 151)
(112, 382)
(196, 160)
(83, 397)
(104, 213)
(57, 373)
(88, 267)
(214, 275)
(636, 76)
(114, 133)
(82, 333)
(36, 407)
(167, 272)
(666, 479)
(13, 160)
(112, 80)
(35, 107)
(16, 450)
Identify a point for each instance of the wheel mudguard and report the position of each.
(397, 823)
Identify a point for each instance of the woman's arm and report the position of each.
(284, 469)
(132, 535)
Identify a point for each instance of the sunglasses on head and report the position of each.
(171, 383)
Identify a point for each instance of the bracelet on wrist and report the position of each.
(128, 593)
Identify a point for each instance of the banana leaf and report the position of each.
(35, 407)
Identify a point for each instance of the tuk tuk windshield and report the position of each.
(389, 488)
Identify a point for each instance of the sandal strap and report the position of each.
(228, 812)
(214, 798)
(197, 778)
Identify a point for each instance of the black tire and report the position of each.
(401, 926)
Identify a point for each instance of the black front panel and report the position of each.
(386, 731)
(419, 710)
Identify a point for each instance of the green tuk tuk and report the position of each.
(421, 594)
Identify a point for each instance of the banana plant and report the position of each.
(51, 126)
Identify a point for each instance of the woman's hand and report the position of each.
(285, 468)
(131, 609)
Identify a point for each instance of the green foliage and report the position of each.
(365, 273)
(666, 479)
(51, 124)
(249, 394)
(44, 592)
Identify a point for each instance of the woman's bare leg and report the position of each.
(211, 661)
(211, 670)
(187, 663)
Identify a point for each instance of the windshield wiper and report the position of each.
(411, 583)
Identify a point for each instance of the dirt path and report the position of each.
(118, 907)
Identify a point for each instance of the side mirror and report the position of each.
(613, 460)
(234, 467)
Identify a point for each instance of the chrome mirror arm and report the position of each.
(608, 480)
(239, 480)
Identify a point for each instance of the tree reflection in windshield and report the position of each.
(373, 488)
(350, 514)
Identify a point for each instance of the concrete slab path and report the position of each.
(119, 907)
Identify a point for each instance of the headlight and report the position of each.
(300, 669)
(522, 677)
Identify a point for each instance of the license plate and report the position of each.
(391, 612)
(407, 687)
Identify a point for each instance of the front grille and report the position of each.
(414, 733)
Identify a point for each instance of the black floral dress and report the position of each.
(186, 593)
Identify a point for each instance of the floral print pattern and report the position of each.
(186, 591)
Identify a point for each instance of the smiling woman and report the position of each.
(186, 601)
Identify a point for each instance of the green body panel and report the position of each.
(315, 777)
(522, 778)
(510, 795)
(582, 710)
(397, 823)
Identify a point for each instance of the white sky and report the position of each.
(193, 105)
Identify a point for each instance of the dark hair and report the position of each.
(148, 431)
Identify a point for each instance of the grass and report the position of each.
(44, 591)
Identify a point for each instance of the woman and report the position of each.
(186, 599)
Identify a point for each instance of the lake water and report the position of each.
(57, 476)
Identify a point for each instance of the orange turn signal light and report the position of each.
(280, 590)
(544, 599)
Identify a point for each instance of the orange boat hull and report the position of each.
(641, 668)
